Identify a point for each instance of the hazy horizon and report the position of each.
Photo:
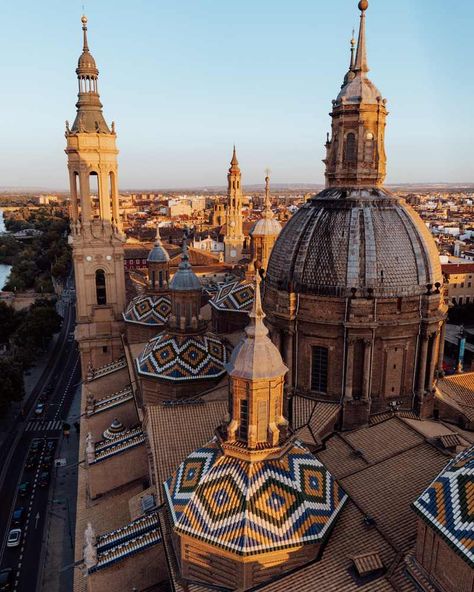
(185, 81)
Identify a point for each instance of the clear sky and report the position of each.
(184, 79)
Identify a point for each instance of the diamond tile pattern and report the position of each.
(253, 507)
(235, 296)
(148, 310)
(448, 504)
(181, 357)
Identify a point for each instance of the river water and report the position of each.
(4, 269)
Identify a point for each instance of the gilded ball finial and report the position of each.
(84, 19)
(363, 5)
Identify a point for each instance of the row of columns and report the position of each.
(108, 196)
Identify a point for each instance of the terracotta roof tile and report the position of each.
(302, 410)
(385, 490)
(184, 428)
(458, 390)
(340, 458)
(383, 440)
(333, 572)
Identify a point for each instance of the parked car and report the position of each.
(39, 409)
(14, 537)
(24, 489)
(18, 515)
(47, 461)
(6, 579)
(43, 479)
(36, 445)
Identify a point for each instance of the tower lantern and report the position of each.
(355, 154)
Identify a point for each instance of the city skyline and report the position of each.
(262, 77)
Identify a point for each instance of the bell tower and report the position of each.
(355, 152)
(234, 238)
(96, 231)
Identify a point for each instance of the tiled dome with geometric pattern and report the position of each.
(366, 240)
(253, 507)
(236, 296)
(182, 357)
(149, 309)
(447, 505)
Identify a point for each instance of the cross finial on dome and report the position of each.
(158, 236)
(256, 327)
(361, 55)
(267, 212)
(84, 29)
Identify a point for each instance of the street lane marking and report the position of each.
(44, 426)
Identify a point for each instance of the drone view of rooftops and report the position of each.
(228, 387)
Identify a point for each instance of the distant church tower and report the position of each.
(96, 236)
(264, 232)
(234, 238)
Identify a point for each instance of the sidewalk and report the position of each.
(59, 529)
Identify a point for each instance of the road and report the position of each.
(55, 387)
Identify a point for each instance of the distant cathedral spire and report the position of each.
(234, 162)
(353, 46)
(234, 237)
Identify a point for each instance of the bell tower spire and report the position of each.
(96, 231)
(356, 150)
(234, 237)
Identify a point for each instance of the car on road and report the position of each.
(24, 489)
(31, 461)
(39, 409)
(6, 579)
(14, 537)
(36, 445)
(18, 515)
(43, 479)
(47, 461)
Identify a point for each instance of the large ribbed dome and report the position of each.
(362, 239)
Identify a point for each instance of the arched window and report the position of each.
(350, 153)
(319, 369)
(100, 288)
